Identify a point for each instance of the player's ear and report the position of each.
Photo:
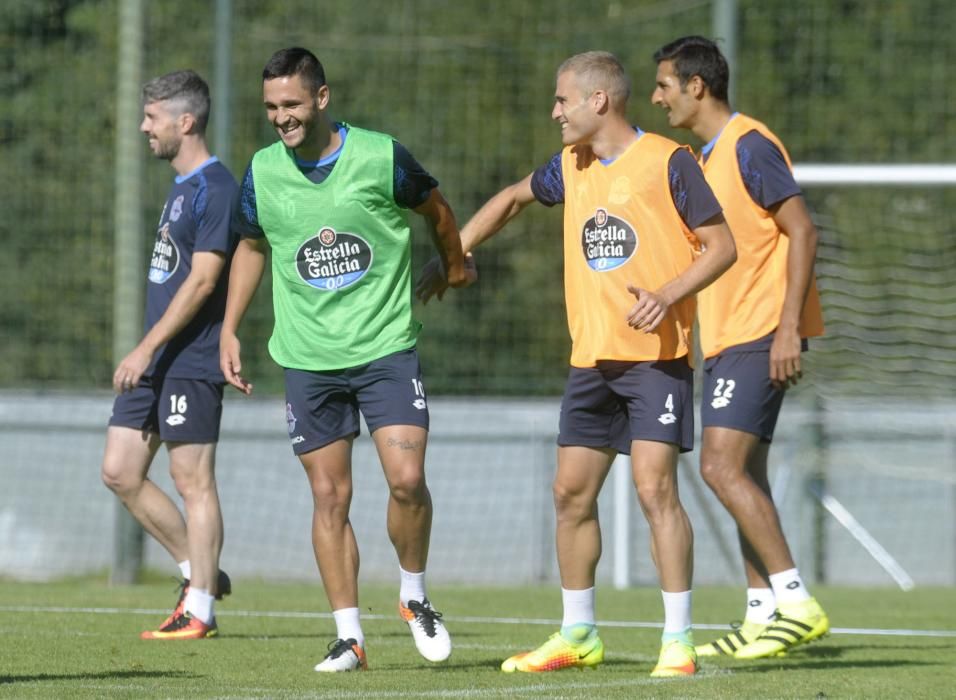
(187, 123)
(601, 101)
(696, 87)
(322, 96)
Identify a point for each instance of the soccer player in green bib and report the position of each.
(331, 201)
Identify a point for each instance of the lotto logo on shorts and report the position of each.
(419, 390)
(723, 393)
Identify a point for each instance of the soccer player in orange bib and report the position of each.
(642, 234)
(754, 324)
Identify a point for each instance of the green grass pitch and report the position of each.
(79, 639)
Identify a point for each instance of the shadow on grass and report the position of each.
(101, 676)
(829, 664)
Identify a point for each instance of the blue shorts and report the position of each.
(738, 393)
(617, 402)
(178, 410)
(322, 407)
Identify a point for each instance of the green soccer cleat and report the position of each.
(796, 624)
(557, 653)
(742, 634)
(677, 659)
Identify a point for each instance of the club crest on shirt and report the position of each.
(332, 260)
(165, 258)
(176, 210)
(607, 241)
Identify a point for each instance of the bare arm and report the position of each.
(444, 232)
(495, 213)
(485, 223)
(794, 220)
(245, 274)
(185, 304)
(719, 253)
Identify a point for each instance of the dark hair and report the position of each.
(296, 61)
(184, 87)
(695, 55)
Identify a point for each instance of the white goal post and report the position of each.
(925, 174)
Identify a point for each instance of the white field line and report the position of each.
(537, 690)
(292, 614)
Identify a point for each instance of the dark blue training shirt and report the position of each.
(692, 195)
(195, 218)
(411, 184)
(763, 169)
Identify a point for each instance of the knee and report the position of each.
(408, 487)
(658, 497)
(119, 480)
(716, 473)
(330, 495)
(192, 483)
(570, 503)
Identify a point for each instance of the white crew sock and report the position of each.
(761, 604)
(412, 586)
(578, 607)
(788, 587)
(347, 625)
(676, 612)
(199, 604)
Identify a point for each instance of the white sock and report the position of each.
(347, 625)
(184, 568)
(199, 604)
(412, 586)
(578, 607)
(676, 612)
(761, 604)
(788, 587)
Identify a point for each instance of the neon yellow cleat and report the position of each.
(557, 653)
(677, 659)
(742, 634)
(796, 624)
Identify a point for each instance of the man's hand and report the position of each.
(785, 370)
(650, 309)
(230, 363)
(433, 281)
(130, 369)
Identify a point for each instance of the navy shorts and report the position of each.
(738, 393)
(617, 402)
(322, 407)
(178, 410)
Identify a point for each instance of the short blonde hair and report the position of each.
(600, 70)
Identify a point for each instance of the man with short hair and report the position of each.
(642, 234)
(754, 324)
(170, 386)
(331, 200)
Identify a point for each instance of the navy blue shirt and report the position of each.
(411, 184)
(763, 168)
(692, 196)
(195, 218)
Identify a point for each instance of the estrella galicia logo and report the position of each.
(333, 260)
(290, 418)
(607, 241)
(165, 259)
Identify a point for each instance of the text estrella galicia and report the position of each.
(607, 241)
(332, 260)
